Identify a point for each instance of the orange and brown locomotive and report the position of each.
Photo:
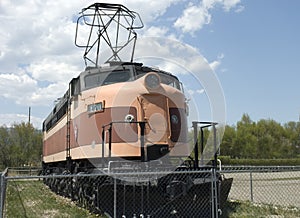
(127, 118)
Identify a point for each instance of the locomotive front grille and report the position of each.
(157, 151)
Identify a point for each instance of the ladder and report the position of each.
(68, 135)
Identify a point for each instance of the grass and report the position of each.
(34, 199)
(29, 198)
(237, 209)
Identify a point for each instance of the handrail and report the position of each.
(204, 124)
(220, 164)
(4, 173)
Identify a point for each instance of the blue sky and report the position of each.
(261, 49)
(252, 45)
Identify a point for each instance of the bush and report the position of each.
(226, 160)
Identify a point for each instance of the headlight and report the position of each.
(152, 81)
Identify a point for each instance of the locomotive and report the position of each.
(124, 117)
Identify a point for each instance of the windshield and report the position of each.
(106, 78)
(110, 77)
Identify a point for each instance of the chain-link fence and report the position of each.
(118, 194)
(265, 185)
(176, 194)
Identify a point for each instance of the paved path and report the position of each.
(279, 188)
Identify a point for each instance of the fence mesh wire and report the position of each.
(277, 186)
(34, 196)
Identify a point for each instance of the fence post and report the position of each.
(2, 192)
(251, 186)
(115, 196)
(1, 196)
(214, 194)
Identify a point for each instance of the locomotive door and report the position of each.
(155, 113)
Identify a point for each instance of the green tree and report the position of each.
(292, 149)
(246, 140)
(228, 141)
(271, 138)
(20, 145)
(265, 139)
(5, 145)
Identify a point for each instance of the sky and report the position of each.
(251, 45)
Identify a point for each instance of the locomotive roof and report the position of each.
(121, 65)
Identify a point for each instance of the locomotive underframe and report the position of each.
(178, 194)
(190, 190)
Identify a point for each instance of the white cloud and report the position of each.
(9, 120)
(193, 92)
(171, 55)
(34, 30)
(194, 17)
(53, 71)
(37, 43)
(24, 90)
(155, 31)
(190, 91)
(149, 10)
(239, 9)
(16, 87)
(37, 53)
(200, 91)
(216, 63)
(229, 4)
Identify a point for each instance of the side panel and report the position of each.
(86, 135)
(54, 140)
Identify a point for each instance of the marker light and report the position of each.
(129, 118)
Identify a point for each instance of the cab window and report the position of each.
(106, 78)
